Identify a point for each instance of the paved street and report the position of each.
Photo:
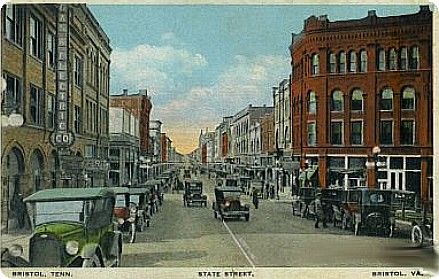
(191, 237)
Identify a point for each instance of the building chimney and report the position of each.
(125, 92)
(424, 8)
(143, 92)
(372, 13)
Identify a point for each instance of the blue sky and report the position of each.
(202, 62)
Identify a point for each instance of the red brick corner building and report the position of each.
(362, 83)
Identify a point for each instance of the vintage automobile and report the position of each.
(193, 193)
(125, 212)
(228, 204)
(139, 197)
(72, 227)
(367, 209)
(331, 200)
(301, 202)
(408, 216)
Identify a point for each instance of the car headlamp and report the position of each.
(72, 247)
(227, 204)
(120, 221)
(16, 250)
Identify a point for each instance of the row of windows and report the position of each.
(13, 102)
(408, 100)
(407, 58)
(407, 132)
(14, 32)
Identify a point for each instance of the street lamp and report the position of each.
(376, 151)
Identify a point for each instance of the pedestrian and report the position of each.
(255, 197)
(272, 191)
(318, 210)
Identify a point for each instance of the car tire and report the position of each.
(417, 236)
(92, 262)
(215, 215)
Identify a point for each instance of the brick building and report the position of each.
(358, 84)
(140, 105)
(28, 62)
(267, 138)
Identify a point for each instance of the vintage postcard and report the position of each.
(218, 140)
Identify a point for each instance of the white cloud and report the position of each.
(245, 81)
(153, 67)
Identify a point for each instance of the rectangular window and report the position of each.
(332, 63)
(315, 65)
(51, 49)
(78, 71)
(386, 132)
(312, 134)
(36, 105)
(77, 119)
(90, 151)
(407, 132)
(357, 132)
(404, 59)
(337, 133)
(114, 152)
(50, 111)
(363, 62)
(14, 24)
(36, 35)
(381, 60)
(12, 100)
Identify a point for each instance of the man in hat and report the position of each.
(320, 214)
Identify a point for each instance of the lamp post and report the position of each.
(376, 151)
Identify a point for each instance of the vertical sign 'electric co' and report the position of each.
(61, 136)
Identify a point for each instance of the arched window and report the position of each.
(315, 65)
(363, 61)
(381, 60)
(312, 102)
(386, 99)
(352, 62)
(342, 62)
(408, 99)
(404, 59)
(414, 58)
(393, 58)
(357, 100)
(332, 63)
(337, 101)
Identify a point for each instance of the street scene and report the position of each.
(226, 136)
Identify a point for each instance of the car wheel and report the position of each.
(417, 236)
(132, 233)
(215, 215)
(92, 262)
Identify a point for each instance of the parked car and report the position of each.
(331, 201)
(301, 202)
(367, 209)
(139, 197)
(71, 227)
(228, 204)
(193, 193)
(125, 212)
(409, 217)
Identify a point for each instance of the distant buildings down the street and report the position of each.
(356, 110)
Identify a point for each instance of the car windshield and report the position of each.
(231, 195)
(134, 198)
(120, 201)
(377, 198)
(64, 211)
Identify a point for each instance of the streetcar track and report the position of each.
(240, 246)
